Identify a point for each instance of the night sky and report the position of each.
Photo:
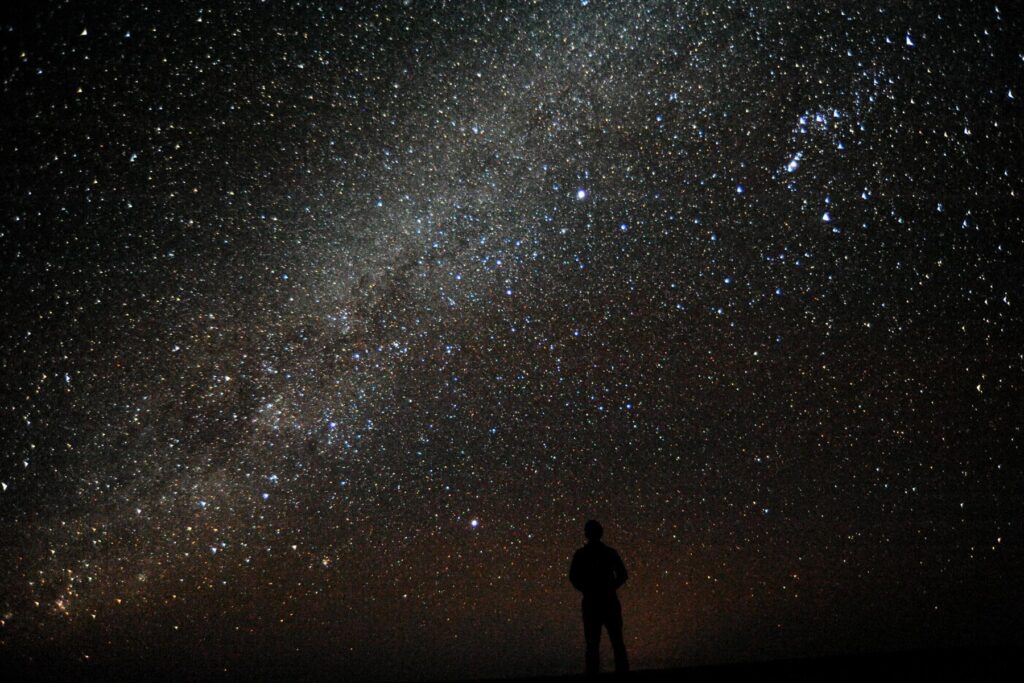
(326, 327)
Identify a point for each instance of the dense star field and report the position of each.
(325, 327)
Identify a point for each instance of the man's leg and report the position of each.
(614, 625)
(592, 633)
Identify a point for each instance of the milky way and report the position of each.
(326, 327)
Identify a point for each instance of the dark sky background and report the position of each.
(326, 326)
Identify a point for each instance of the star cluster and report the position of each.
(326, 326)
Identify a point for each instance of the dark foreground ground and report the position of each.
(932, 665)
(924, 665)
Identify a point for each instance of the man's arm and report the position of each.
(620, 571)
(574, 573)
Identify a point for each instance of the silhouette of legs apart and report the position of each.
(614, 625)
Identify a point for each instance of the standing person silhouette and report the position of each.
(597, 571)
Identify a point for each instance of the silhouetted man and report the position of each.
(597, 571)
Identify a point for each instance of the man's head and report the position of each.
(593, 530)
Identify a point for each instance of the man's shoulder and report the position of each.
(587, 553)
(612, 552)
